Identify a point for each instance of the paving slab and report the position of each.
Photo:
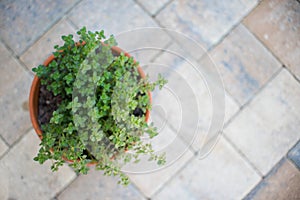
(177, 155)
(282, 183)
(186, 101)
(27, 179)
(205, 21)
(96, 186)
(153, 6)
(221, 175)
(277, 24)
(121, 18)
(111, 16)
(15, 84)
(294, 154)
(22, 22)
(40, 50)
(3, 147)
(269, 126)
(245, 64)
(231, 108)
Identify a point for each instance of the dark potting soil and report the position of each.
(48, 103)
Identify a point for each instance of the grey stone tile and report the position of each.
(282, 183)
(186, 101)
(22, 21)
(111, 16)
(27, 179)
(3, 147)
(201, 143)
(277, 24)
(245, 64)
(231, 107)
(266, 129)
(294, 154)
(14, 92)
(177, 155)
(205, 21)
(153, 6)
(221, 175)
(96, 186)
(40, 51)
(126, 21)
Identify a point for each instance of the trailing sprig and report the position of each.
(102, 112)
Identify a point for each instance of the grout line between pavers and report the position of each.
(263, 44)
(72, 24)
(138, 190)
(5, 142)
(288, 157)
(13, 55)
(271, 172)
(242, 107)
(16, 142)
(162, 8)
(66, 186)
(173, 129)
(238, 113)
(143, 8)
(232, 28)
(213, 46)
(267, 47)
(175, 175)
(4, 153)
(295, 77)
(243, 156)
(55, 22)
(255, 94)
(160, 52)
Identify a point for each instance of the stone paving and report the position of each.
(256, 48)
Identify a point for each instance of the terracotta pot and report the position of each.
(35, 88)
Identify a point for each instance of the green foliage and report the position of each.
(96, 120)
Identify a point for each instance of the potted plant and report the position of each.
(89, 104)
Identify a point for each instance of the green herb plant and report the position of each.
(101, 117)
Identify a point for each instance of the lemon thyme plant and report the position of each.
(103, 100)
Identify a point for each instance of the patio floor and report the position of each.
(254, 44)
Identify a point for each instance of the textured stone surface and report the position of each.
(96, 186)
(122, 19)
(14, 92)
(39, 52)
(231, 108)
(221, 175)
(269, 126)
(27, 179)
(277, 24)
(153, 6)
(185, 101)
(111, 16)
(3, 147)
(177, 155)
(294, 154)
(22, 21)
(205, 21)
(244, 63)
(281, 184)
(185, 93)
